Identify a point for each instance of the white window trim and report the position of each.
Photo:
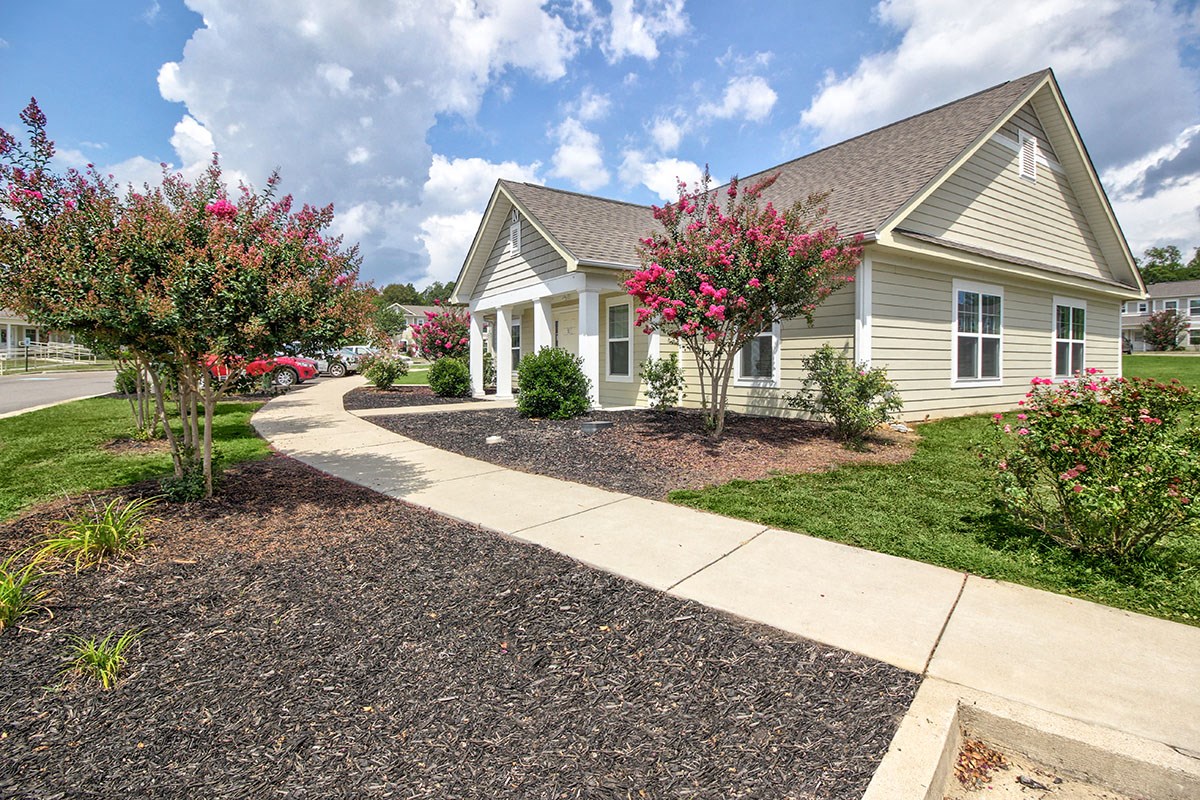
(761, 383)
(979, 288)
(1027, 158)
(1165, 307)
(1072, 302)
(514, 232)
(518, 342)
(1193, 332)
(610, 304)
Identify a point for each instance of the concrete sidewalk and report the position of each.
(1126, 672)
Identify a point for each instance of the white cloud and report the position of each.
(666, 134)
(749, 97)
(636, 28)
(150, 15)
(337, 76)
(1157, 198)
(194, 144)
(661, 176)
(579, 157)
(1118, 62)
(592, 106)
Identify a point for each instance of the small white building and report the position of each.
(1180, 296)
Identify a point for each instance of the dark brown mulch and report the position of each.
(644, 453)
(370, 397)
(303, 637)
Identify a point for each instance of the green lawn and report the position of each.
(936, 508)
(47, 453)
(1164, 367)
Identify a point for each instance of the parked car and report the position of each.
(284, 370)
(337, 363)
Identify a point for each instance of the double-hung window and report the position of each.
(979, 320)
(1194, 307)
(1170, 305)
(1070, 330)
(516, 344)
(619, 342)
(758, 360)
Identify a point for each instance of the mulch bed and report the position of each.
(307, 638)
(644, 453)
(370, 397)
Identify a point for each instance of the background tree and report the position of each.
(1163, 329)
(1165, 264)
(388, 321)
(403, 293)
(436, 293)
(714, 278)
(187, 282)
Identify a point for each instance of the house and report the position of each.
(992, 256)
(15, 330)
(1181, 296)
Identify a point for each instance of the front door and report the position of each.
(564, 329)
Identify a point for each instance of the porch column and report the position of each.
(542, 336)
(655, 344)
(589, 339)
(476, 362)
(504, 365)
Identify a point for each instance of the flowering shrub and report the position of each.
(552, 385)
(383, 369)
(1103, 466)
(664, 381)
(717, 275)
(450, 377)
(854, 397)
(444, 334)
(1163, 329)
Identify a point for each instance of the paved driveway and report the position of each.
(24, 391)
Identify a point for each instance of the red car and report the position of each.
(285, 370)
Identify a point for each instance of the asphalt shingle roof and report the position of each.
(869, 177)
(1174, 289)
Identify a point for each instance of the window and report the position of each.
(1028, 155)
(978, 324)
(618, 341)
(1194, 307)
(1170, 305)
(757, 362)
(1143, 306)
(1069, 332)
(516, 344)
(1194, 336)
(514, 232)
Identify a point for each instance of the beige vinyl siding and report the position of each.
(912, 336)
(832, 323)
(505, 271)
(987, 204)
(1026, 119)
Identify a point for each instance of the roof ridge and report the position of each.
(576, 194)
(909, 118)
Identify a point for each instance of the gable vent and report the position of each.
(1028, 156)
(514, 232)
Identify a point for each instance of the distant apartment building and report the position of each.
(1180, 296)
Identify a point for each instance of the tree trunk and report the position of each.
(176, 460)
(210, 401)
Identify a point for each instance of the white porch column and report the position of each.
(589, 339)
(504, 365)
(863, 312)
(542, 335)
(476, 362)
(655, 344)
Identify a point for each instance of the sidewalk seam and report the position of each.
(715, 560)
(945, 624)
(620, 499)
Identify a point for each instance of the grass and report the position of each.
(936, 508)
(1164, 368)
(115, 530)
(99, 659)
(60, 450)
(20, 593)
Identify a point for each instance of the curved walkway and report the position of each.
(1040, 651)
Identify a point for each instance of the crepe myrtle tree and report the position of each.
(719, 274)
(186, 280)
(444, 333)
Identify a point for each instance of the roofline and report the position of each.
(462, 271)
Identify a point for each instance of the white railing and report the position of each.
(15, 356)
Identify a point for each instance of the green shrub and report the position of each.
(1101, 466)
(450, 377)
(99, 659)
(552, 385)
(126, 380)
(664, 381)
(20, 593)
(489, 368)
(854, 397)
(383, 369)
(117, 529)
(189, 487)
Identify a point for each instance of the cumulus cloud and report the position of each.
(666, 134)
(592, 106)
(579, 157)
(637, 27)
(660, 176)
(1157, 197)
(750, 97)
(342, 99)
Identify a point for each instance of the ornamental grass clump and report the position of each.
(1103, 466)
(20, 591)
(855, 398)
(99, 659)
(552, 385)
(116, 530)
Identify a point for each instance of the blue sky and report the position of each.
(404, 113)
